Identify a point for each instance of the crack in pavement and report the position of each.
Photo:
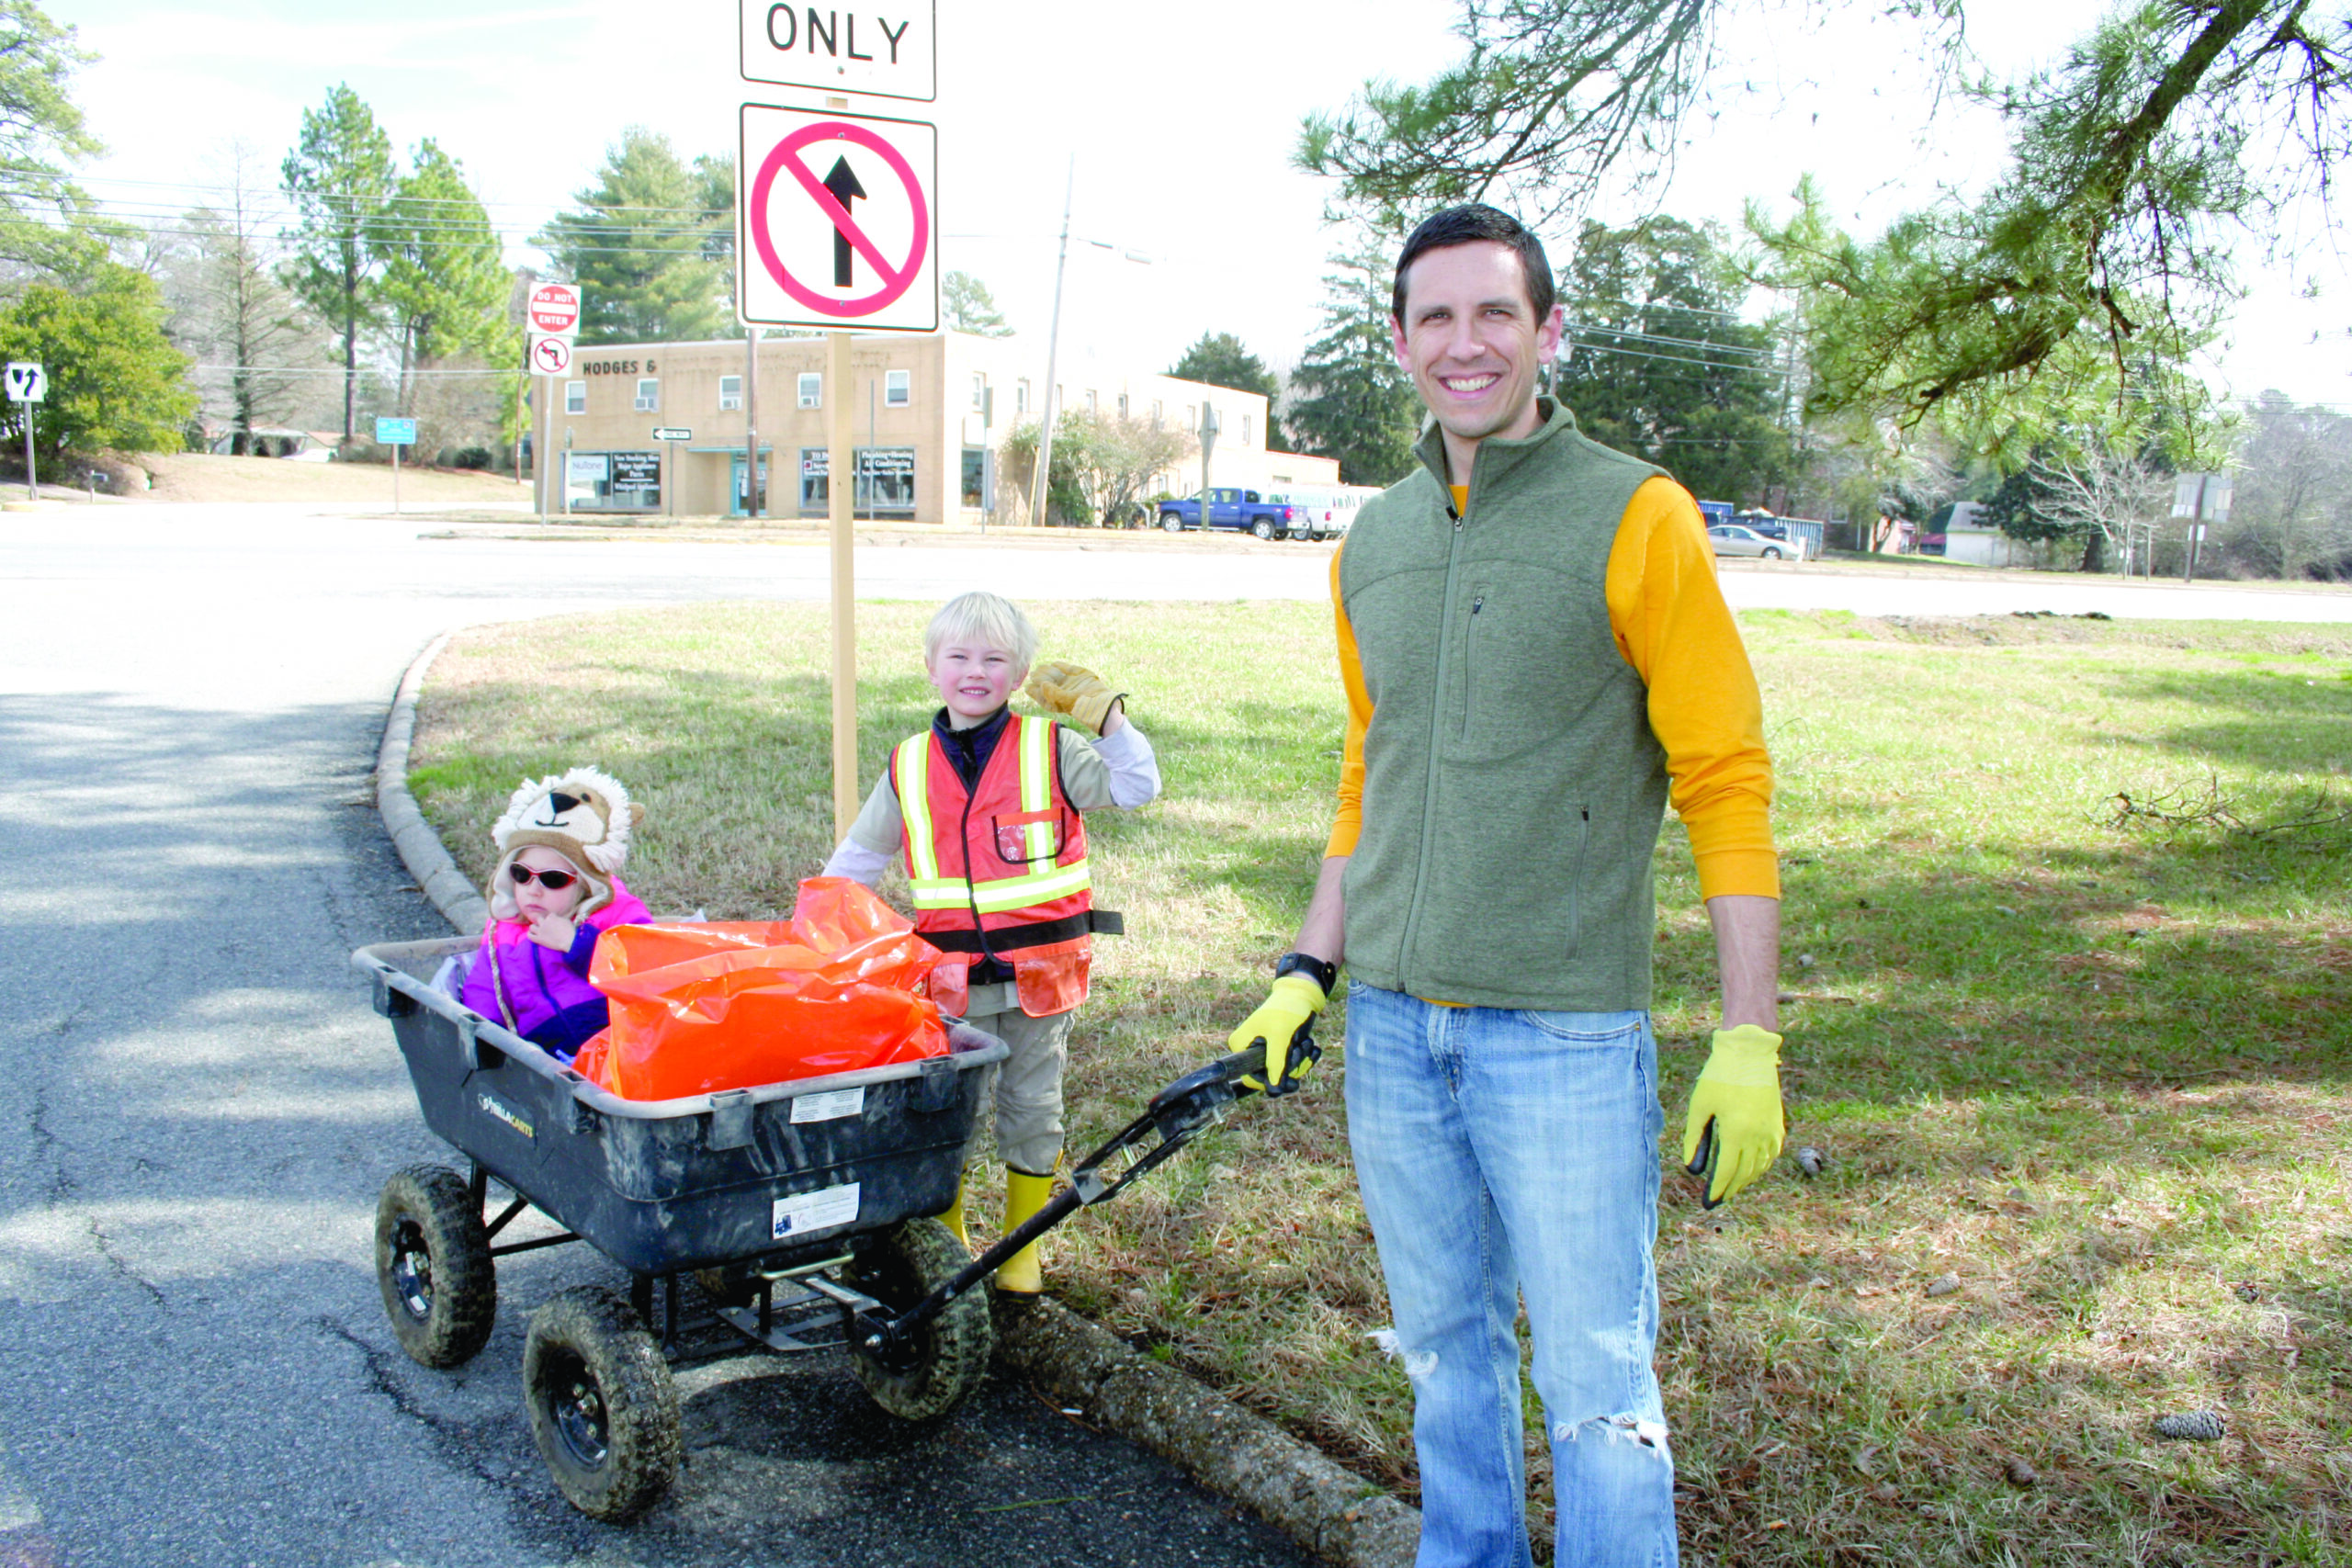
(472, 1447)
(121, 1266)
(58, 1187)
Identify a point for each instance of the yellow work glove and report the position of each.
(1733, 1132)
(1281, 1025)
(1059, 686)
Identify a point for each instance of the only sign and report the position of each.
(555, 309)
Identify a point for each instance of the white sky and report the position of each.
(1182, 120)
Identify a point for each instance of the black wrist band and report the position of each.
(1324, 975)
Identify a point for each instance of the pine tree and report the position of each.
(970, 307)
(648, 246)
(340, 175)
(1353, 401)
(1219, 359)
(445, 281)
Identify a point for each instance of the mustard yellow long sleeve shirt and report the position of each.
(1674, 629)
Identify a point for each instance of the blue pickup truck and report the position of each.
(1237, 509)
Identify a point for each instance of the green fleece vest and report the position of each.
(1512, 787)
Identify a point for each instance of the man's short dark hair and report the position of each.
(1468, 224)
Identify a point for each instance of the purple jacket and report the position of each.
(548, 992)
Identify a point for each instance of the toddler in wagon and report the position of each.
(557, 889)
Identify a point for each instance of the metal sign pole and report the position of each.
(32, 479)
(840, 486)
(544, 470)
(396, 479)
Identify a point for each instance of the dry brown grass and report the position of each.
(204, 476)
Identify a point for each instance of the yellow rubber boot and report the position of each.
(954, 1218)
(1022, 1274)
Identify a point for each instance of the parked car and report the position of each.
(1732, 539)
(1231, 508)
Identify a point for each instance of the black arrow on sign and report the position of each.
(842, 183)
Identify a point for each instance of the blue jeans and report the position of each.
(1503, 1153)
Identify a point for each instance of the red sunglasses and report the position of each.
(553, 880)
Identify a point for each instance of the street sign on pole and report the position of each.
(555, 308)
(551, 356)
(395, 433)
(839, 215)
(672, 432)
(26, 383)
(890, 52)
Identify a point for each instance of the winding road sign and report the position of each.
(841, 215)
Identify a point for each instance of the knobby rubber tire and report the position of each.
(594, 1378)
(432, 1266)
(952, 1350)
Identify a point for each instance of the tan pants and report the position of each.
(1027, 1084)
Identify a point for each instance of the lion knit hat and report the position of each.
(583, 815)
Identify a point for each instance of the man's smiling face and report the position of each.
(1473, 344)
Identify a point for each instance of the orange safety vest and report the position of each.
(1001, 869)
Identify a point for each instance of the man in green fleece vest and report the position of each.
(1536, 656)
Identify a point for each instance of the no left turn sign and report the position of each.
(841, 220)
(551, 356)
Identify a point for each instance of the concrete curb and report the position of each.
(421, 849)
(1238, 1453)
(1297, 1488)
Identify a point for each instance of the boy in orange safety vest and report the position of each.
(987, 807)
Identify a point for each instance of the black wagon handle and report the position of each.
(1176, 1115)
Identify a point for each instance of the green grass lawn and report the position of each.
(2078, 1074)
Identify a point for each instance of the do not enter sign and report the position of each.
(555, 309)
(842, 221)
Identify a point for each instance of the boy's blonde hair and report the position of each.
(982, 617)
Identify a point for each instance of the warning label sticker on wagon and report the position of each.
(830, 1105)
(806, 1212)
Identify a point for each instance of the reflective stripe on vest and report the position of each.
(928, 888)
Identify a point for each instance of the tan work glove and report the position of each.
(1059, 686)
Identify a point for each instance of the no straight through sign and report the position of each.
(840, 221)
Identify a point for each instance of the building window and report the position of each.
(886, 481)
(812, 389)
(1021, 396)
(1122, 405)
(1089, 401)
(976, 477)
(897, 388)
(1191, 418)
(1156, 413)
(649, 395)
(730, 393)
(814, 495)
(1245, 428)
(980, 392)
(575, 397)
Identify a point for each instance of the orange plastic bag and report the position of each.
(704, 1007)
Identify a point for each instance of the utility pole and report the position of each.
(752, 422)
(1053, 349)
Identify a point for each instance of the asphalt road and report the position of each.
(201, 1108)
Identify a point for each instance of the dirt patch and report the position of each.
(204, 476)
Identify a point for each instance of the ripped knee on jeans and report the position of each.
(1639, 1430)
(1419, 1364)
